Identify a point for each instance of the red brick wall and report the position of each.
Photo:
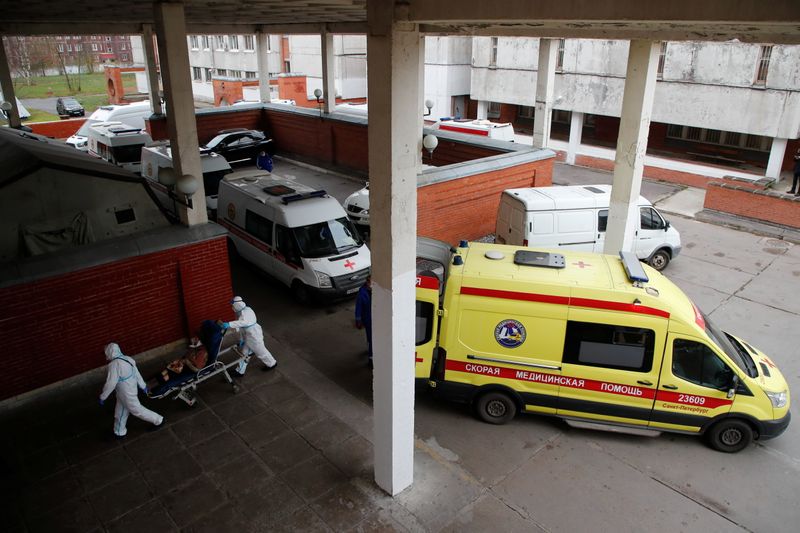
(209, 124)
(60, 129)
(226, 92)
(449, 152)
(57, 327)
(775, 207)
(467, 208)
(674, 176)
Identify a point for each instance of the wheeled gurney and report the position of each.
(183, 386)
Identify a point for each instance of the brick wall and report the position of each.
(751, 201)
(60, 129)
(57, 327)
(674, 176)
(466, 208)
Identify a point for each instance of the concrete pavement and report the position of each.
(293, 450)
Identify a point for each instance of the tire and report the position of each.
(300, 292)
(730, 436)
(659, 260)
(495, 407)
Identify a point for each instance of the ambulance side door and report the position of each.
(426, 325)
(608, 369)
(693, 387)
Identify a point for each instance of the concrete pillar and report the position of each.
(634, 126)
(7, 85)
(776, 154)
(545, 81)
(328, 72)
(262, 47)
(483, 109)
(575, 134)
(181, 126)
(396, 61)
(152, 69)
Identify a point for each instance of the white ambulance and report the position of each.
(131, 114)
(299, 235)
(502, 131)
(575, 218)
(118, 143)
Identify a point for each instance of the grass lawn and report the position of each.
(54, 86)
(41, 116)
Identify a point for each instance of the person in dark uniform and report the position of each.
(796, 180)
(364, 313)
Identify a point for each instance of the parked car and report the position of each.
(357, 207)
(68, 106)
(240, 144)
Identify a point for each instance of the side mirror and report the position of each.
(666, 225)
(734, 385)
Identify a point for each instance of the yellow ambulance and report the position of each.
(601, 341)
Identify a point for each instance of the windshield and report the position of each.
(732, 349)
(70, 102)
(131, 153)
(327, 238)
(83, 131)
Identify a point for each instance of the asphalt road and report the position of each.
(746, 283)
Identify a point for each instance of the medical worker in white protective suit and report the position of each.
(252, 338)
(124, 377)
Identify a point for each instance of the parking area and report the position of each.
(292, 451)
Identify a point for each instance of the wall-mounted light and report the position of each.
(429, 106)
(430, 142)
(187, 185)
(318, 95)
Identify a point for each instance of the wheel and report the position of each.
(730, 436)
(300, 292)
(495, 407)
(659, 260)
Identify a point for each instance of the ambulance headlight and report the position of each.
(324, 280)
(778, 399)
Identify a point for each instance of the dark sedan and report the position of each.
(69, 107)
(240, 144)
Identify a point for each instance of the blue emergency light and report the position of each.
(633, 267)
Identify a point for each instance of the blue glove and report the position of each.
(225, 325)
(146, 390)
(102, 401)
(241, 343)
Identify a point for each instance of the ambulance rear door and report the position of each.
(426, 325)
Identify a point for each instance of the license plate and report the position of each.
(351, 291)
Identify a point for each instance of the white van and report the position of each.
(131, 114)
(575, 217)
(118, 143)
(502, 131)
(159, 156)
(299, 235)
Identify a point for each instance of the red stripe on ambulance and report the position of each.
(470, 131)
(427, 282)
(565, 300)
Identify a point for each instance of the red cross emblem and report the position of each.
(349, 264)
(581, 264)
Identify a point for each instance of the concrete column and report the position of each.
(328, 72)
(575, 134)
(776, 155)
(152, 69)
(395, 130)
(634, 126)
(181, 126)
(545, 81)
(7, 85)
(262, 47)
(483, 109)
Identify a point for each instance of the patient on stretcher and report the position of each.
(195, 358)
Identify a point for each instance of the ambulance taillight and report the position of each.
(524, 242)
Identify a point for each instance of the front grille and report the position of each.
(354, 208)
(351, 280)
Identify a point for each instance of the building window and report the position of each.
(692, 134)
(233, 42)
(197, 74)
(222, 72)
(494, 110)
(713, 136)
(732, 138)
(69, 48)
(60, 48)
(94, 47)
(526, 111)
(76, 37)
(208, 74)
(220, 42)
(662, 57)
(109, 50)
(249, 43)
(250, 75)
(124, 57)
(762, 68)
(108, 38)
(609, 346)
(235, 74)
(194, 42)
(94, 37)
(493, 57)
(560, 116)
(206, 42)
(560, 56)
(78, 47)
(122, 46)
(287, 66)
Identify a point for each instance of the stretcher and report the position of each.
(220, 360)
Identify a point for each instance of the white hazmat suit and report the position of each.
(124, 377)
(251, 334)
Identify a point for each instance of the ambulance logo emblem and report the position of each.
(510, 333)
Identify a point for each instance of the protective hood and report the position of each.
(112, 351)
(238, 304)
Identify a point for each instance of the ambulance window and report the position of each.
(284, 241)
(424, 322)
(651, 219)
(608, 346)
(697, 363)
(602, 220)
(258, 226)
